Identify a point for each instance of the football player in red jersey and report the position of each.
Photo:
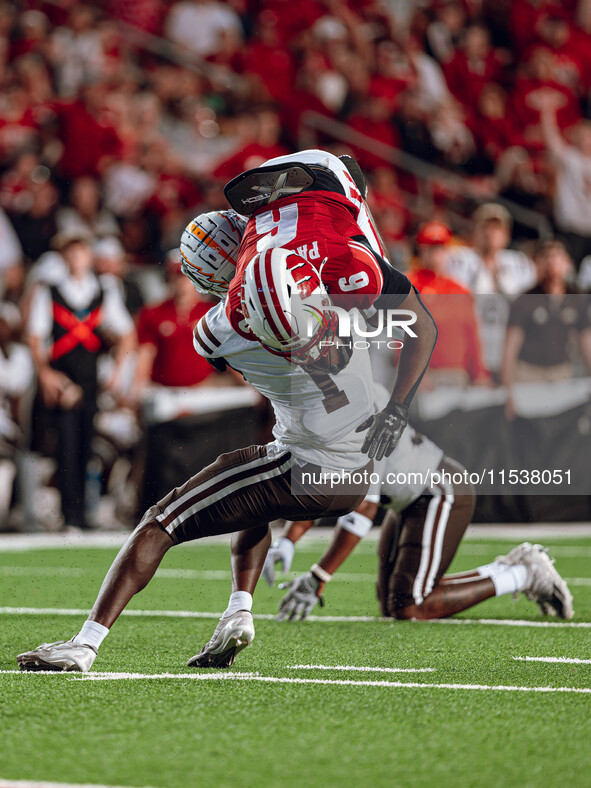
(253, 486)
(314, 203)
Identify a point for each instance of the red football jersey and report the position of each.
(319, 226)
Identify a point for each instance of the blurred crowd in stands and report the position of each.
(121, 120)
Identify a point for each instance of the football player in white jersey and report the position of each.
(417, 547)
(323, 425)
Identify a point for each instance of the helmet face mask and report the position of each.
(209, 250)
(286, 306)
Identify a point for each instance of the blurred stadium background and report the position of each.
(121, 120)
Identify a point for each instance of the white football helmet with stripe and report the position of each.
(209, 250)
(287, 307)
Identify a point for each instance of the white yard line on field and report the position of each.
(198, 574)
(562, 660)
(496, 532)
(290, 680)
(37, 784)
(506, 622)
(360, 669)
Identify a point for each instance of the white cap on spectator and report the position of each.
(71, 236)
(492, 211)
(110, 248)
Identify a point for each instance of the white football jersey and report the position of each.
(515, 272)
(493, 291)
(405, 474)
(335, 165)
(315, 417)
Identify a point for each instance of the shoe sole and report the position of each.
(36, 663)
(222, 659)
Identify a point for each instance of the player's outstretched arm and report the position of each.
(385, 428)
(306, 590)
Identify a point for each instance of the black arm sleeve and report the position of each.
(217, 363)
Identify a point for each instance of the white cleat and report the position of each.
(231, 636)
(516, 555)
(62, 655)
(544, 585)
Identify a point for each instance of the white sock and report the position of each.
(91, 634)
(239, 600)
(506, 579)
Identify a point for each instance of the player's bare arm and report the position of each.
(385, 428)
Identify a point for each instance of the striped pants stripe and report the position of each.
(245, 489)
(430, 533)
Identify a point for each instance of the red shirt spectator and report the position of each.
(387, 205)
(375, 122)
(494, 127)
(267, 58)
(528, 96)
(472, 67)
(171, 334)
(165, 334)
(452, 306)
(267, 146)
(567, 53)
(525, 17)
(100, 140)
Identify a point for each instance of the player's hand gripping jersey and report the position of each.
(308, 202)
(316, 413)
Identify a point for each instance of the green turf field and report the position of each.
(245, 727)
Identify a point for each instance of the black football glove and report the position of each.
(383, 431)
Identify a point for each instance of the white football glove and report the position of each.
(301, 598)
(279, 553)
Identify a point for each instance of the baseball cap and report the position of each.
(109, 247)
(433, 234)
(67, 237)
(492, 211)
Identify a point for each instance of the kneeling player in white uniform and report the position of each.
(424, 523)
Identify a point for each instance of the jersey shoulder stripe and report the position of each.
(213, 340)
(200, 339)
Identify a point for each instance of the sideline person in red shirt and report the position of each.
(165, 334)
(457, 358)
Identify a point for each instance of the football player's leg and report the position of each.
(529, 568)
(387, 549)
(431, 532)
(131, 571)
(249, 549)
(278, 492)
(235, 629)
(172, 520)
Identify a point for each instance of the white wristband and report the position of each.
(320, 573)
(356, 524)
